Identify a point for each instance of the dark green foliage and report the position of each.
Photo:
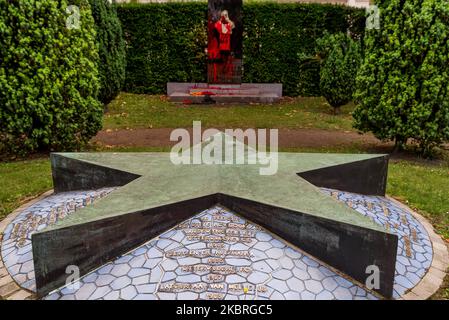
(48, 76)
(403, 83)
(111, 49)
(340, 59)
(166, 42)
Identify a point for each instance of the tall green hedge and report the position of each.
(48, 76)
(111, 49)
(166, 42)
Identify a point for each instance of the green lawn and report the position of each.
(146, 111)
(21, 181)
(424, 188)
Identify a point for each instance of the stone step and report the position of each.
(226, 91)
(188, 93)
(182, 97)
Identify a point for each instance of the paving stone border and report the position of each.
(414, 253)
(428, 285)
(434, 277)
(9, 290)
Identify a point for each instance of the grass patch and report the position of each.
(424, 188)
(21, 181)
(147, 111)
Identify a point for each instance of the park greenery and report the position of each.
(48, 76)
(111, 49)
(340, 58)
(403, 83)
(56, 76)
(53, 79)
(277, 37)
(59, 61)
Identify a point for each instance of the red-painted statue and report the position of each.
(224, 47)
(224, 64)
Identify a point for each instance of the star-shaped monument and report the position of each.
(156, 195)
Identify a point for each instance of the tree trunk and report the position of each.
(399, 144)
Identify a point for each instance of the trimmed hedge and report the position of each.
(166, 42)
(340, 59)
(403, 83)
(48, 76)
(111, 49)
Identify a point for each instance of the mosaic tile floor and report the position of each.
(216, 255)
(193, 262)
(16, 245)
(414, 255)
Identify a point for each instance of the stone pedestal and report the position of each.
(203, 93)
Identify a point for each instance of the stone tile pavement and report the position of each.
(186, 264)
(245, 261)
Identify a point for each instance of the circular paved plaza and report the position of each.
(219, 255)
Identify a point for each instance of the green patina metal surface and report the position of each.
(161, 182)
